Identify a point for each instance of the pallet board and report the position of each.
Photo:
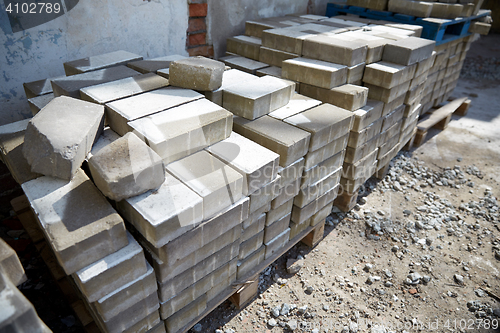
(438, 119)
(440, 30)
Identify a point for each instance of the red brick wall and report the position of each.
(196, 41)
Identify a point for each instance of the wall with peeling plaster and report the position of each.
(149, 28)
(227, 18)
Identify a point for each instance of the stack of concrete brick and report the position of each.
(399, 81)
(440, 9)
(86, 234)
(18, 314)
(445, 71)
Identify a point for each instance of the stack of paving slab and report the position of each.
(445, 9)
(445, 71)
(18, 314)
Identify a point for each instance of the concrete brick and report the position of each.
(272, 71)
(290, 39)
(203, 237)
(276, 214)
(181, 318)
(149, 324)
(254, 216)
(314, 157)
(322, 214)
(316, 190)
(71, 85)
(111, 272)
(375, 45)
(258, 97)
(174, 286)
(287, 193)
(349, 96)
(57, 142)
(254, 226)
(221, 287)
(389, 133)
(152, 65)
(284, 139)
(78, 222)
(314, 72)
(277, 243)
(332, 49)
(258, 165)
(100, 61)
(359, 138)
(184, 130)
(277, 227)
(394, 104)
(296, 228)
(355, 154)
(322, 169)
(275, 57)
(386, 147)
(301, 215)
(414, 94)
(172, 265)
(252, 261)
(18, 314)
(408, 51)
(198, 73)
(355, 73)
(393, 118)
(10, 265)
(297, 104)
(418, 80)
(387, 95)
(191, 293)
(125, 320)
(245, 46)
(110, 91)
(119, 113)
(291, 172)
(218, 184)
(388, 75)
(39, 87)
(366, 115)
(39, 102)
(11, 151)
(325, 123)
(244, 64)
(229, 78)
(384, 160)
(351, 186)
(251, 245)
(358, 169)
(127, 295)
(425, 65)
(126, 167)
(165, 214)
(414, 8)
(108, 136)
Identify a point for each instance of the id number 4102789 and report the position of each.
(33, 8)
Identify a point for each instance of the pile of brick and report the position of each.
(330, 59)
(18, 314)
(147, 199)
(446, 9)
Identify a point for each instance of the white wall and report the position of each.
(149, 28)
(226, 18)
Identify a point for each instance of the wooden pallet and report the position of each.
(462, 109)
(438, 119)
(440, 30)
(249, 279)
